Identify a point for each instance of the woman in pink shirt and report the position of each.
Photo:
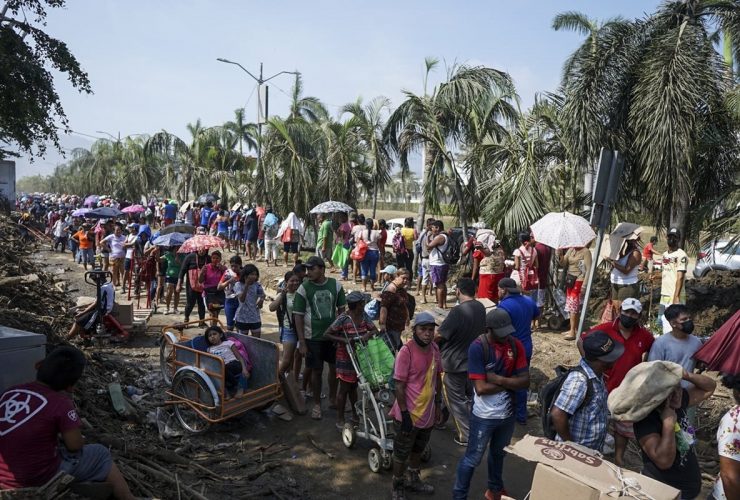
(210, 276)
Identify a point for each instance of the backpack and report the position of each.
(483, 338)
(399, 244)
(549, 394)
(451, 253)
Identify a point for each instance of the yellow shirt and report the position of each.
(408, 234)
(673, 262)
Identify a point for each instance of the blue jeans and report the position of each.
(521, 395)
(494, 434)
(230, 307)
(369, 265)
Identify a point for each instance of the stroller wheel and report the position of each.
(348, 435)
(387, 459)
(374, 460)
(426, 455)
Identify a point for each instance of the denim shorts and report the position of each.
(288, 335)
(92, 463)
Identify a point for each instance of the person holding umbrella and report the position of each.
(577, 262)
(189, 273)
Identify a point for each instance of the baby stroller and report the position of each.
(373, 361)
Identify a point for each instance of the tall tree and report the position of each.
(370, 123)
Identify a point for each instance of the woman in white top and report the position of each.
(623, 276)
(369, 264)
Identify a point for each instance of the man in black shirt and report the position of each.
(461, 327)
(667, 438)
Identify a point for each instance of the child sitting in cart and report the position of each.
(348, 328)
(236, 363)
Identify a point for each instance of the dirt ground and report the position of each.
(257, 455)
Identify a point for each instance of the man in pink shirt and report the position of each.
(417, 373)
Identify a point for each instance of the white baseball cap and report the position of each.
(633, 304)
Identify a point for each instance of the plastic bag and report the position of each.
(358, 253)
(375, 361)
(340, 255)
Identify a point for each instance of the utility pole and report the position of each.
(260, 116)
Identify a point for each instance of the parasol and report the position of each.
(330, 207)
(80, 212)
(134, 209)
(200, 242)
(563, 230)
(104, 213)
(236, 206)
(178, 228)
(171, 239)
(185, 206)
(205, 198)
(91, 200)
(722, 351)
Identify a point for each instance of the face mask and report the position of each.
(420, 342)
(687, 326)
(627, 321)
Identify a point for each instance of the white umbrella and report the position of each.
(330, 207)
(186, 205)
(236, 206)
(563, 230)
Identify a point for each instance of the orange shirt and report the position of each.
(85, 242)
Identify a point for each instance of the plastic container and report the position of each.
(19, 353)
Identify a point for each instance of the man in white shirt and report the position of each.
(675, 263)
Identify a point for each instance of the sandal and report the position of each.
(316, 413)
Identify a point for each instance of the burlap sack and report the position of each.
(643, 389)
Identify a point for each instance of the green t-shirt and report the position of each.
(325, 233)
(318, 305)
(173, 264)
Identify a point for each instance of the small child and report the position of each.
(228, 280)
(234, 361)
(251, 296)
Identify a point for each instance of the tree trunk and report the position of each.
(375, 190)
(420, 225)
(679, 218)
(460, 200)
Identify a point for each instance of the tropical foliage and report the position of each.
(660, 89)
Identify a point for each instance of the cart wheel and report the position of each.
(348, 435)
(374, 460)
(387, 459)
(167, 356)
(190, 386)
(426, 455)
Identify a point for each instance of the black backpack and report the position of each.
(451, 255)
(549, 394)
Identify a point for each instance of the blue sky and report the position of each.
(152, 64)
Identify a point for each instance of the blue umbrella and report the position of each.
(171, 240)
(104, 213)
(80, 212)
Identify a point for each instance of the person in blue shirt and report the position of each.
(205, 215)
(522, 310)
(170, 213)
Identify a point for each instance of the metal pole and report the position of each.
(594, 262)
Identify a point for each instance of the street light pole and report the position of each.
(260, 118)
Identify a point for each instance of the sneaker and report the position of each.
(494, 495)
(460, 442)
(415, 484)
(175, 311)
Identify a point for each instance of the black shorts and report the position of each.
(405, 443)
(290, 247)
(320, 351)
(126, 264)
(245, 327)
(88, 320)
(172, 280)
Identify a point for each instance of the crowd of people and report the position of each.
(474, 363)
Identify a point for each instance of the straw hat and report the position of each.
(643, 389)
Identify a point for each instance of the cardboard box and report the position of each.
(123, 312)
(566, 471)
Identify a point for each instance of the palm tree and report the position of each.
(370, 125)
(439, 124)
(246, 132)
(656, 90)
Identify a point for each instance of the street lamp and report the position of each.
(110, 135)
(260, 116)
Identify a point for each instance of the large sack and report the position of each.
(643, 389)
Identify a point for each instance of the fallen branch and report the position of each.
(316, 445)
(169, 480)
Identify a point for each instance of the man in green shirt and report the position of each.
(315, 307)
(324, 239)
(173, 271)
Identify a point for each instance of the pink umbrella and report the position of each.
(200, 242)
(134, 209)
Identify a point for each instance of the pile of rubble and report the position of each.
(155, 455)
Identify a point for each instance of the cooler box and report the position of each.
(19, 353)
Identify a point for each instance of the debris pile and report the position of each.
(156, 456)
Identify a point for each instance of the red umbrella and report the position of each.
(200, 242)
(134, 209)
(722, 351)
